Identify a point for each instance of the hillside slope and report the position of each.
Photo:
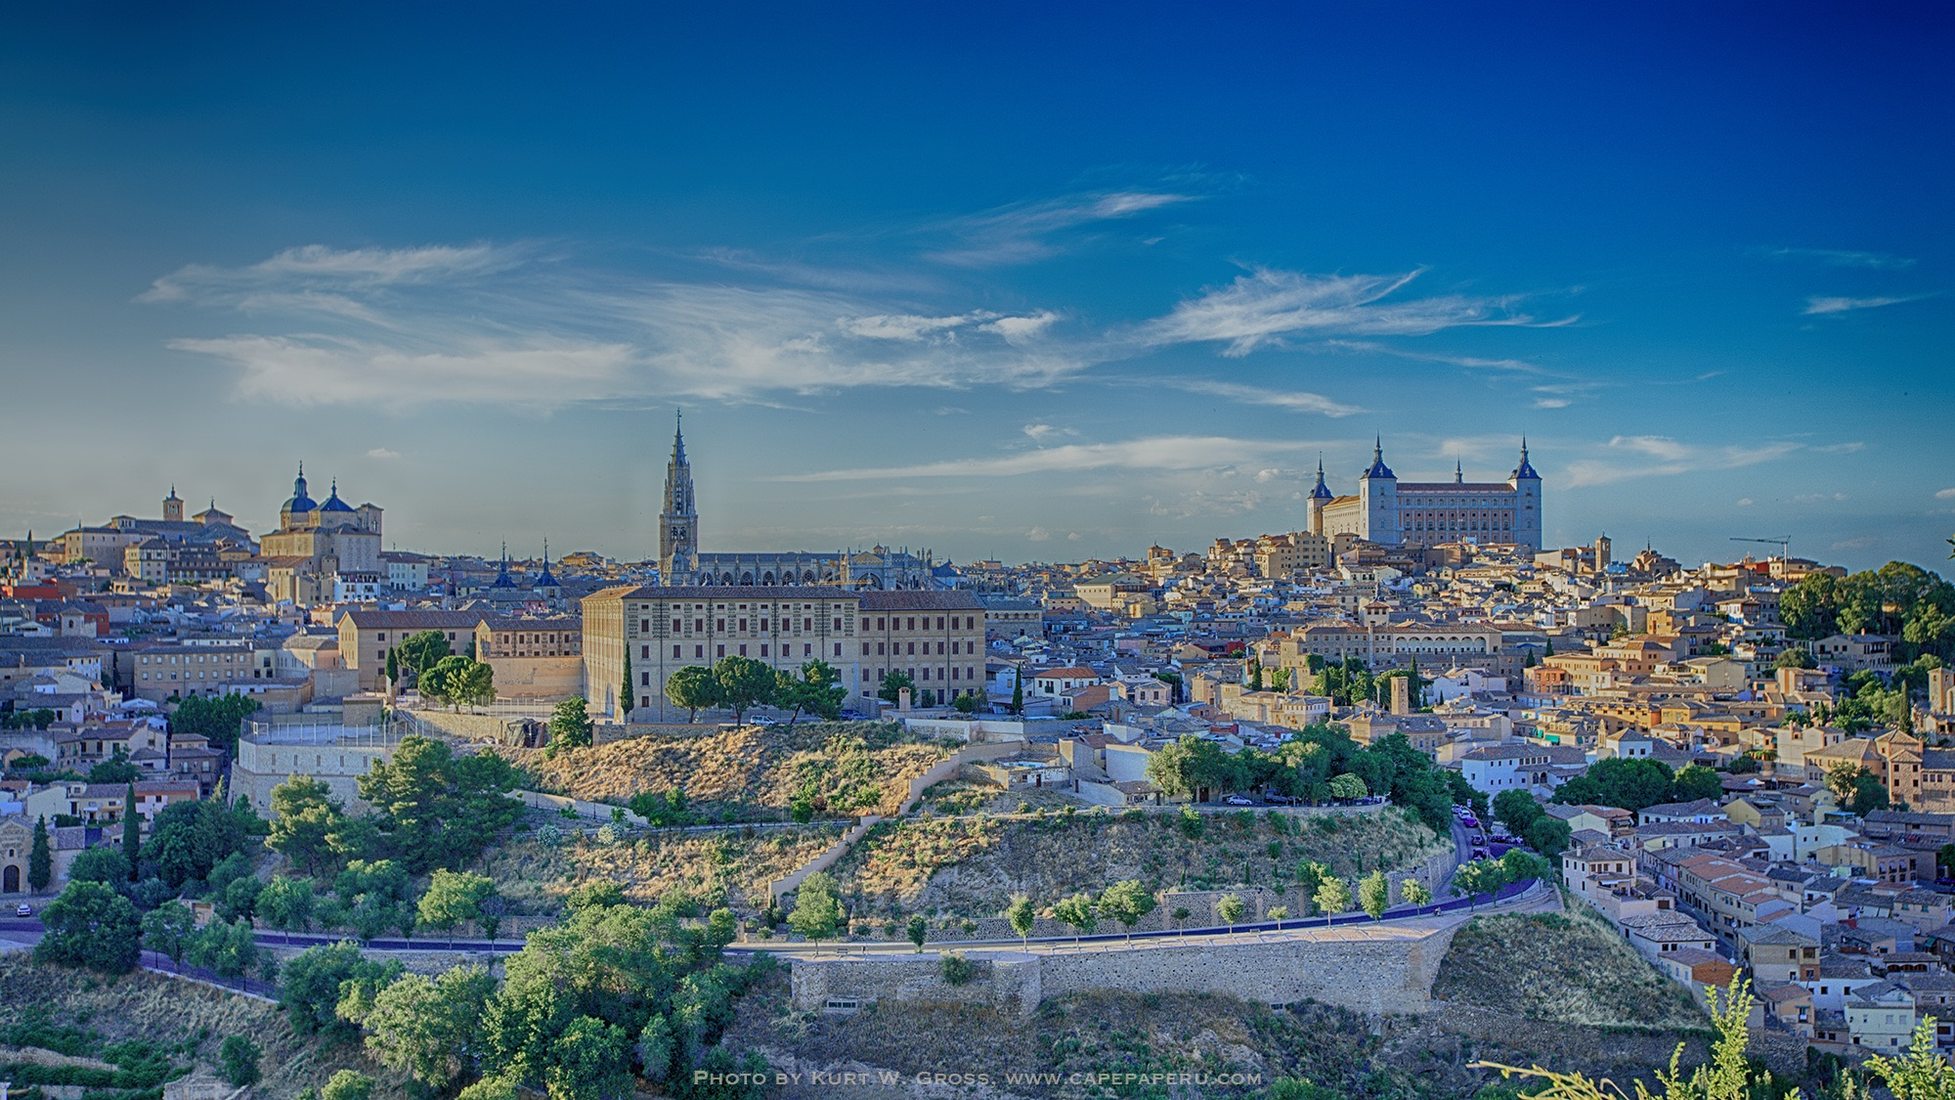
(753, 773)
(971, 866)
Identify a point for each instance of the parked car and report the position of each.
(1470, 821)
(23, 910)
(1275, 798)
(1479, 853)
(1238, 800)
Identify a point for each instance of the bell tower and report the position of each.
(678, 522)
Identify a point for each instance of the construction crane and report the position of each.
(1783, 542)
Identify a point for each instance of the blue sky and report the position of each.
(1001, 281)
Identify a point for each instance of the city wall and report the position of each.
(1374, 969)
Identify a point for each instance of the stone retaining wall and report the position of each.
(1375, 969)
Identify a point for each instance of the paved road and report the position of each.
(29, 930)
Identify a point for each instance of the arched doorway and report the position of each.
(10, 879)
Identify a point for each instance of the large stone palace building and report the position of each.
(1390, 512)
(680, 561)
(936, 638)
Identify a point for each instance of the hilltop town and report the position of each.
(1287, 769)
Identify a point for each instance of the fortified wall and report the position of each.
(1376, 969)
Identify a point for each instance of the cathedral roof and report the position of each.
(1320, 491)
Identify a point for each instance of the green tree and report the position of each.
(90, 925)
(313, 982)
(967, 702)
(1729, 1075)
(305, 816)
(818, 690)
(919, 931)
(132, 836)
(372, 897)
(286, 904)
(742, 682)
(1696, 781)
(1795, 657)
(817, 913)
(693, 688)
(1255, 675)
(893, 683)
(1348, 787)
(1128, 902)
(347, 1084)
(432, 808)
(104, 865)
(417, 653)
(116, 769)
(588, 1062)
(1547, 835)
(430, 1029)
(1333, 896)
(1920, 1074)
(1414, 892)
(226, 947)
(1018, 691)
(459, 681)
(40, 857)
(237, 1060)
(1374, 894)
(1516, 810)
(167, 929)
(393, 669)
(454, 898)
(1021, 916)
(1077, 913)
(570, 725)
(1310, 875)
(1229, 909)
(1631, 784)
(216, 718)
(1869, 794)
(628, 695)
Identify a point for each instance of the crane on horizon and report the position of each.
(1783, 542)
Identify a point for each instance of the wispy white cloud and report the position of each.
(1045, 431)
(314, 272)
(481, 325)
(1846, 257)
(1025, 232)
(1179, 452)
(1267, 307)
(1851, 447)
(1292, 400)
(1818, 306)
(383, 454)
(1945, 494)
(1640, 456)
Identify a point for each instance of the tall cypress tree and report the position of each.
(393, 670)
(132, 841)
(40, 859)
(1018, 691)
(625, 699)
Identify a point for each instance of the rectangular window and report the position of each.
(645, 652)
(699, 651)
(721, 651)
(644, 679)
(720, 625)
(677, 625)
(743, 651)
(763, 649)
(838, 649)
(743, 626)
(865, 649)
(675, 653)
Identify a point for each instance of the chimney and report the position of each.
(903, 699)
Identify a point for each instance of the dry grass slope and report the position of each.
(1562, 970)
(150, 1006)
(971, 866)
(537, 870)
(752, 773)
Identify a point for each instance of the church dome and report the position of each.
(300, 502)
(333, 503)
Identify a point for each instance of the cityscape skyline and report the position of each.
(1715, 303)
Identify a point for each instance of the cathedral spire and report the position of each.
(679, 436)
(1459, 472)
